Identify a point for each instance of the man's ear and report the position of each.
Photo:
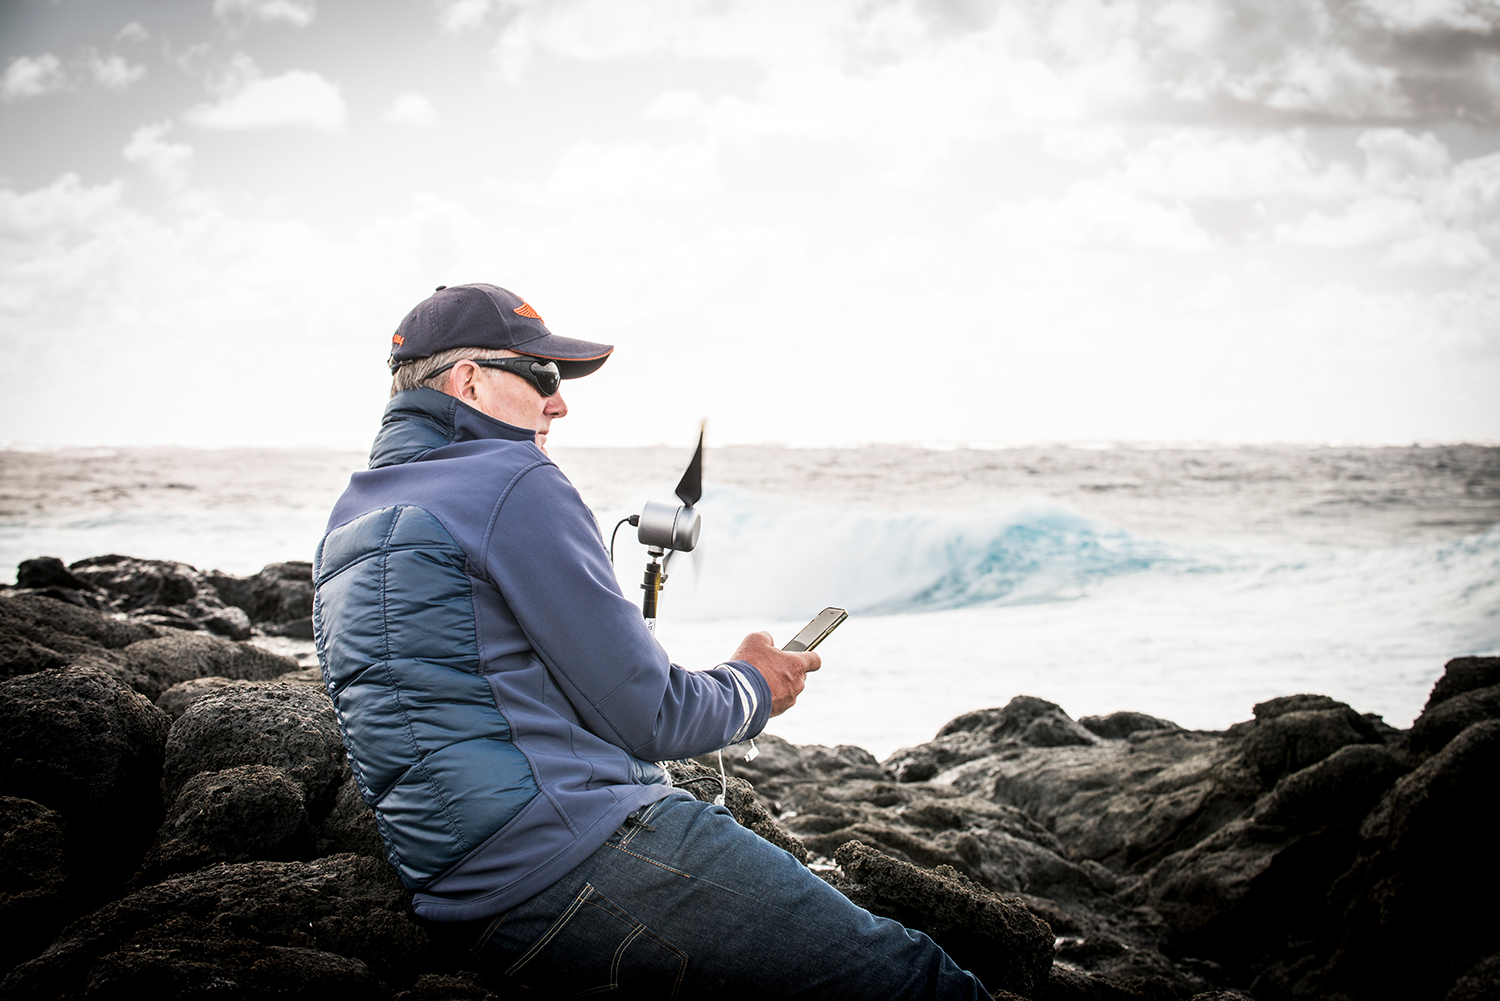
(461, 382)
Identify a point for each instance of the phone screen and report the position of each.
(817, 630)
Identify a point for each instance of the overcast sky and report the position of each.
(812, 221)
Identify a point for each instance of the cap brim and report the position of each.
(575, 359)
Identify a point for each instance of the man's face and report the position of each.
(507, 397)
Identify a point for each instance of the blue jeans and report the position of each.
(684, 902)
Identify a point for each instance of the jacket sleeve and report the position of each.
(544, 552)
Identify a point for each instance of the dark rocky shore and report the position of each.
(177, 818)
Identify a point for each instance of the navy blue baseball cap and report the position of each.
(488, 316)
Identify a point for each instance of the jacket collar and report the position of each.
(417, 421)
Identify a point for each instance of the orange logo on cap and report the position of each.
(397, 339)
(525, 310)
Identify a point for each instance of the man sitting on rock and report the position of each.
(503, 705)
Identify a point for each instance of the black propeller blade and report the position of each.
(691, 487)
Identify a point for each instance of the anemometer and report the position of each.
(664, 529)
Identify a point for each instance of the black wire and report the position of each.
(612, 538)
(721, 783)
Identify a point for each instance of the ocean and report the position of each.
(1188, 582)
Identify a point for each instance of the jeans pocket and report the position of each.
(596, 946)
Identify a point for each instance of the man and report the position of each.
(503, 705)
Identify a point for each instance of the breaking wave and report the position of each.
(762, 556)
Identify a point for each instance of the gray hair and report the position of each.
(415, 373)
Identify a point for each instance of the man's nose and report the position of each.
(556, 405)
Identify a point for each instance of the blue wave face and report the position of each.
(1040, 557)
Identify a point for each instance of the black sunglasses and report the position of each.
(543, 375)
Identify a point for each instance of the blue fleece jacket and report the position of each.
(501, 701)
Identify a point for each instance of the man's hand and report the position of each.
(785, 672)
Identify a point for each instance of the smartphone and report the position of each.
(817, 630)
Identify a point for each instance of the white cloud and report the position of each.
(1367, 221)
(763, 30)
(1469, 197)
(1056, 344)
(297, 13)
(29, 76)
(1440, 249)
(167, 162)
(1082, 145)
(295, 99)
(676, 106)
(1323, 80)
(1093, 216)
(133, 32)
(160, 305)
(1478, 16)
(457, 16)
(65, 206)
(113, 72)
(1397, 160)
(1162, 60)
(593, 172)
(412, 109)
(1205, 163)
(1412, 200)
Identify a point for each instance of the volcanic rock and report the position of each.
(287, 727)
(38, 632)
(19, 655)
(994, 844)
(1340, 789)
(34, 891)
(240, 813)
(1480, 983)
(81, 743)
(996, 939)
(1280, 706)
(465, 986)
(176, 700)
(279, 599)
(1464, 674)
(335, 927)
(48, 571)
(350, 826)
(1438, 725)
(162, 592)
(1291, 739)
(1404, 920)
(1024, 721)
(109, 631)
(1118, 726)
(778, 766)
(177, 657)
(1123, 803)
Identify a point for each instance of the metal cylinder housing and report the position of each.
(667, 526)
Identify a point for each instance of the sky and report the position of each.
(810, 221)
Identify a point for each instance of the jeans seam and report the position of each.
(639, 929)
(489, 932)
(614, 966)
(659, 865)
(557, 926)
